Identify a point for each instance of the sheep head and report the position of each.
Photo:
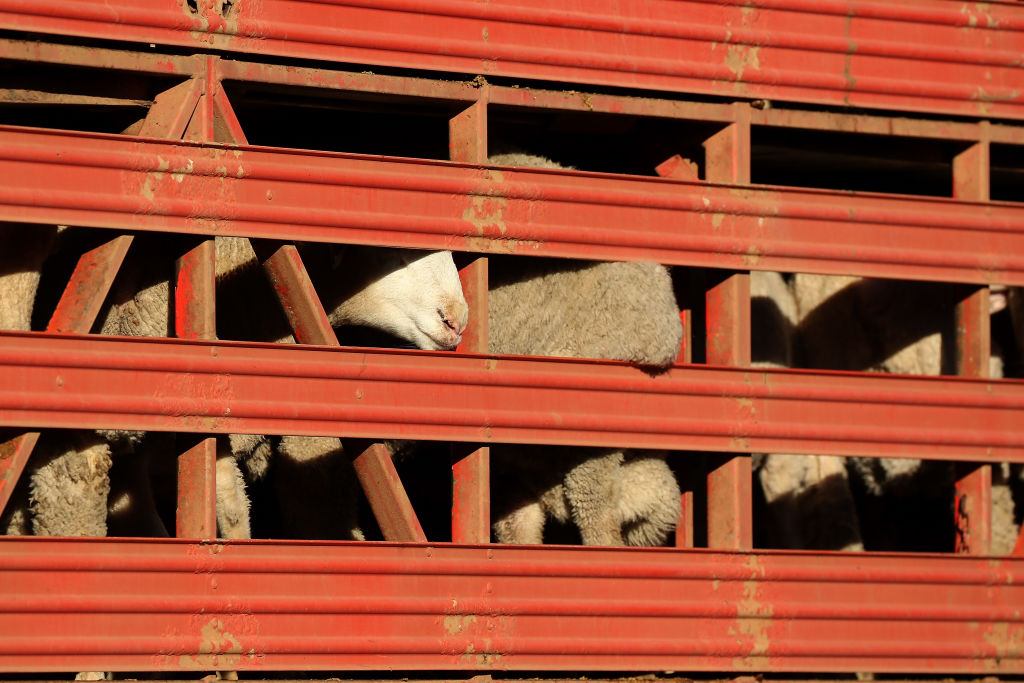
(411, 294)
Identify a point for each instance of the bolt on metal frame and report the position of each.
(764, 626)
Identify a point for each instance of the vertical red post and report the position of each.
(727, 152)
(201, 127)
(973, 509)
(194, 293)
(196, 516)
(14, 454)
(467, 133)
(730, 524)
(195, 318)
(471, 466)
(191, 116)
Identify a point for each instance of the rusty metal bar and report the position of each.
(298, 298)
(728, 319)
(387, 496)
(727, 152)
(471, 466)
(172, 110)
(90, 282)
(196, 515)
(471, 495)
(474, 279)
(467, 140)
(14, 455)
(226, 125)
(928, 57)
(27, 96)
(226, 387)
(775, 115)
(730, 517)
(97, 57)
(113, 182)
(194, 293)
(727, 328)
(685, 525)
(201, 126)
(973, 506)
(348, 606)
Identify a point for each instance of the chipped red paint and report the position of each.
(273, 606)
(921, 55)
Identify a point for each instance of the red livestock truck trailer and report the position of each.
(841, 137)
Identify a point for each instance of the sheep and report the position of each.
(616, 311)
(68, 472)
(414, 295)
(570, 309)
(847, 323)
(807, 496)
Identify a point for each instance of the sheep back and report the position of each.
(615, 311)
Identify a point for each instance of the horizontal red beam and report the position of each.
(81, 604)
(922, 55)
(127, 184)
(89, 382)
(468, 91)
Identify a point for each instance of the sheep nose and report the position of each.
(451, 322)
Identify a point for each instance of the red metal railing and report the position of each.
(186, 606)
(925, 55)
(100, 180)
(174, 605)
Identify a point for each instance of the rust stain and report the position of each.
(978, 13)
(456, 624)
(753, 620)
(739, 58)
(753, 255)
(1008, 642)
(219, 648)
(486, 212)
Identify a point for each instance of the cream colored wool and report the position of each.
(415, 295)
(616, 311)
(849, 323)
(808, 496)
(67, 475)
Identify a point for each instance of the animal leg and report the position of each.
(649, 506)
(523, 526)
(232, 501)
(594, 488)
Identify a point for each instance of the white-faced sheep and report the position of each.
(616, 311)
(620, 311)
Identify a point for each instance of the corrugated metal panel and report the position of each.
(923, 55)
(110, 181)
(137, 605)
(64, 381)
